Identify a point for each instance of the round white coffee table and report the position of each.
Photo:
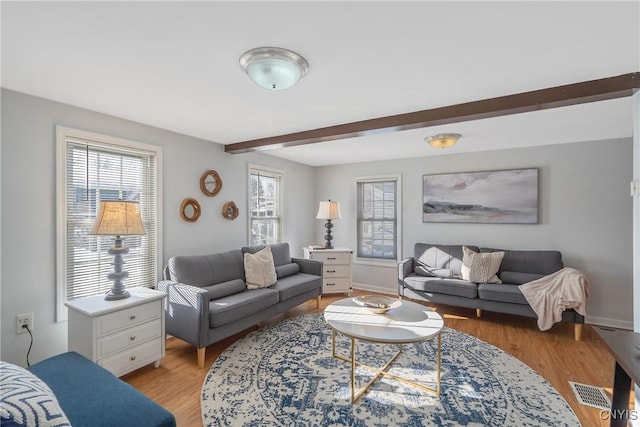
(408, 323)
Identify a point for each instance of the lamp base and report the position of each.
(113, 296)
(328, 237)
(118, 274)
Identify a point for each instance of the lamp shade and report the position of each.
(118, 218)
(329, 210)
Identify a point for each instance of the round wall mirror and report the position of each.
(210, 183)
(230, 210)
(190, 210)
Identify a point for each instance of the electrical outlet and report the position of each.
(23, 320)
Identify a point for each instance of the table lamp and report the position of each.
(328, 210)
(118, 218)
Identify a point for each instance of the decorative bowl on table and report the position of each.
(377, 303)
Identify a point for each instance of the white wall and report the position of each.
(585, 212)
(28, 203)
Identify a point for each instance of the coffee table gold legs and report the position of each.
(355, 395)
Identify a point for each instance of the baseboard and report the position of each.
(612, 323)
(371, 288)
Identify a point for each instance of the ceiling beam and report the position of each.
(542, 99)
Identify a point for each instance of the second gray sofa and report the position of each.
(434, 274)
(208, 299)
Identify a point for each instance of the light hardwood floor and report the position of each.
(554, 354)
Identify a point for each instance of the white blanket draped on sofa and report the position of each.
(550, 295)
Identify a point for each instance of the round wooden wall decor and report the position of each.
(230, 210)
(210, 183)
(190, 210)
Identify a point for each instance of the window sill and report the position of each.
(376, 262)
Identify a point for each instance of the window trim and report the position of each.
(105, 141)
(379, 261)
(267, 170)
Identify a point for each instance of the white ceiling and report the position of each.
(174, 65)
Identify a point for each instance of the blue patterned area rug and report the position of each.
(285, 376)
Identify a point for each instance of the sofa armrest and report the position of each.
(309, 266)
(186, 312)
(405, 267)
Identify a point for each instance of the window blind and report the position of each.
(264, 206)
(377, 224)
(94, 172)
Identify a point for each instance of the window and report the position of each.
(91, 168)
(265, 205)
(377, 220)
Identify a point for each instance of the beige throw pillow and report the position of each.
(481, 267)
(259, 269)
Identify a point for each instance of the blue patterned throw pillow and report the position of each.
(25, 400)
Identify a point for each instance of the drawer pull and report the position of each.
(132, 318)
(331, 284)
(133, 358)
(331, 257)
(331, 271)
(132, 337)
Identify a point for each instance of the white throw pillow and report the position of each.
(259, 269)
(481, 267)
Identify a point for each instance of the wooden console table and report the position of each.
(621, 344)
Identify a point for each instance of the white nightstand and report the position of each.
(336, 268)
(121, 335)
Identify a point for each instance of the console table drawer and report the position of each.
(336, 284)
(133, 358)
(128, 338)
(336, 270)
(129, 317)
(333, 258)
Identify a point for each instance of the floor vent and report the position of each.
(590, 395)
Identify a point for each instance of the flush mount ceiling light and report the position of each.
(443, 140)
(274, 68)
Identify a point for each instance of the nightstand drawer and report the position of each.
(332, 257)
(129, 317)
(336, 270)
(128, 338)
(133, 358)
(337, 284)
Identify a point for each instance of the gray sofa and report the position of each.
(434, 274)
(208, 299)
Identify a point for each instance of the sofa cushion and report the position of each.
(297, 284)
(280, 252)
(259, 269)
(438, 260)
(27, 400)
(220, 290)
(441, 285)
(285, 270)
(537, 262)
(517, 278)
(502, 293)
(206, 270)
(481, 267)
(237, 306)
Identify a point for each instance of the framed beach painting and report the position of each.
(498, 197)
